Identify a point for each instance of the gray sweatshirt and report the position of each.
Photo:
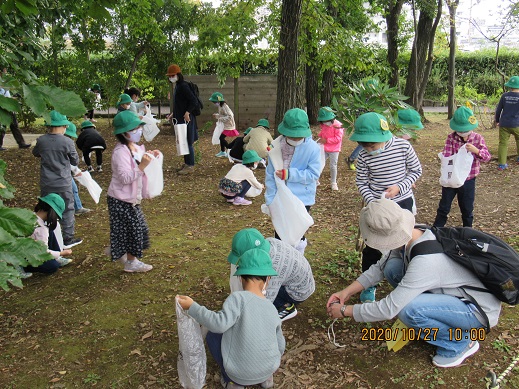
(57, 153)
(436, 273)
(252, 341)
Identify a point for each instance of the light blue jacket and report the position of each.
(303, 173)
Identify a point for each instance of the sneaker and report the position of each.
(99, 168)
(221, 154)
(187, 169)
(471, 349)
(502, 167)
(69, 243)
(82, 211)
(301, 246)
(90, 169)
(3, 148)
(268, 383)
(351, 164)
(288, 312)
(334, 186)
(136, 266)
(230, 384)
(23, 273)
(24, 145)
(63, 261)
(368, 295)
(241, 201)
(230, 200)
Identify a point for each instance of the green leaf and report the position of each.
(5, 117)
(9, 104)
(6, 189)
(26, 7)
(34, 99)
(24, 252)
(65, 102)
(19, 222)
(9, 274)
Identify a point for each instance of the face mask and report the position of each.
(463, 134)
(135, 136)
(294, 142)
(375, 152)
(328, 123)
(217, 104)
(173, 79)
(255, 166)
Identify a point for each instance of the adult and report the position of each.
(428, 297)
(294, 282)
(184, 103)
(507, 119)
(15, 129)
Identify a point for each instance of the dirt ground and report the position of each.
(93, 325)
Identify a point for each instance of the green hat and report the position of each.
(56, 203)
(295, 124)
(216, 97)
(246, 239)
(124, 99)
(255, 262)
(325, 114)
(126, 121)
(409, 118)
(513, 82)
(71, 130)
(87, 124)
(96, 87)
(247, 130)
(371, 127)
(250, 156)
(263, 123)
(463, 120)
(57, 120)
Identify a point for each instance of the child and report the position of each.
(90, 140)
(58, 154)
(240, 180)
(259, 138)
(331, 137)
(48, 210)
(245, 337)
(507, 119)
(225, 116)
(387, 167)
(236, 148)
(96, 103)
(78, 205)
(129, 185)
(463, 123)
(124, 103)
(296, 159)
(138, 108)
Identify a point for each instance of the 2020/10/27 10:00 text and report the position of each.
(393, 334)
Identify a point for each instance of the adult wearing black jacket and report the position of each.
(90, 140)
(184, 103)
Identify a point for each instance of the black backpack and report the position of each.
(196, 92)
(493, 261)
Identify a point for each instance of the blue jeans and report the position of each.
(283, 298)
(355, 153)
(214, 344)
(192, 137)
(75, 192)
(466, 195)
(435, 311)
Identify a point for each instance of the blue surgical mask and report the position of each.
(376, 152)
(135, 135)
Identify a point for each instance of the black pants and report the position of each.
(15, 130)
(223, 143)
(99, 156)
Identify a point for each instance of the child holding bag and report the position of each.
(240, 180)
(226, 117)
(463, 123)
(331, 138)
(129, 185)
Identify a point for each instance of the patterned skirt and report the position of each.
(128, 229)
(229, 187)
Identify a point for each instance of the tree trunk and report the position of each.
(311, 92)
(327, 91)
(451, 106)
(393, 11)
(288, 58)
(134, 66)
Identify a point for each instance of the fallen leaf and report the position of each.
(147, 335)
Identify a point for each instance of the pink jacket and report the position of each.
(333, 136)
(125, 175)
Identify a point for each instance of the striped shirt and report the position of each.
(397, 165)
(454, 142)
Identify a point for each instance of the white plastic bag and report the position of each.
(289, 215)
(323, 157)
(456, 168)
(88, 182)
(217, 132)
(191, 361)
(181, 138)
(155, 175)
(150, 129)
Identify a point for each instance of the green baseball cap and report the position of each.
(263, 123)
(71, 130)
(56, 203)
(371, 127)
(409, 118)
(255, 262)
(126, 121)
(463, 120)
(216, 97)
(250, 156)
(513, 82)
(295, 124)
(325, 114)
(246, 239)
(57, 120)
(87, 124)
(124, 99)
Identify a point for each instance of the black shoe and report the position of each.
(287, 312)
(24, 146)
(3, 148)
(69, 243)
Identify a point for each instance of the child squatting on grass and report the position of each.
(245, 337)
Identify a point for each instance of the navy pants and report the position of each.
(51, 266)
(466, 195)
